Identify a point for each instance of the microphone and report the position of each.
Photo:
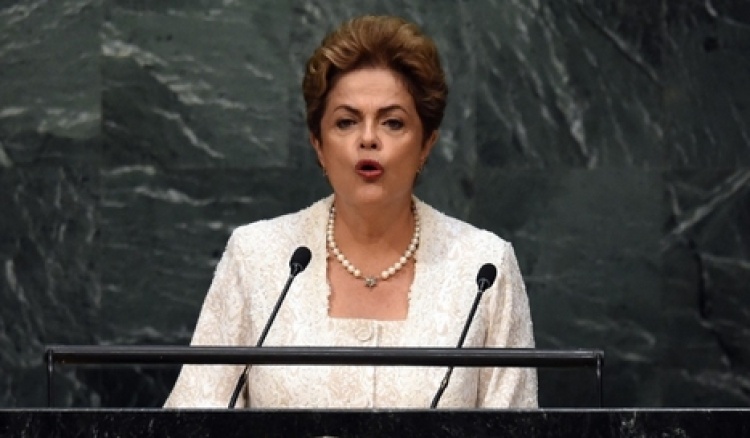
(485, 278)
(299, 261)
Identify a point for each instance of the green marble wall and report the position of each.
(609, 140)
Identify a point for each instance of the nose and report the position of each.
(368, 145)
(369, 138)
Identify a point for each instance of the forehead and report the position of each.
(368, 87)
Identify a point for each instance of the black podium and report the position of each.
(46, 423)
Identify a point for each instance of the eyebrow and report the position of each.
(385, 109)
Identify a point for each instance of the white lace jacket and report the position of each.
(254, 268)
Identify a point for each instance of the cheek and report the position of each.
(331, 153)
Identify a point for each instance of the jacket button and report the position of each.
(364, 332)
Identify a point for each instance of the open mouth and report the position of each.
(369, 169)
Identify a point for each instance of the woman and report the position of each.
(386, 269)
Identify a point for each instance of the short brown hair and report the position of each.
(377, 41)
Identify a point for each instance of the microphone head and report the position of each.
(486, 276)
(300, 259)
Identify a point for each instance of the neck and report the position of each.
(372, 232)
(369, 225)
(364, 249)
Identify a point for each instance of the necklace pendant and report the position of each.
(371, 282)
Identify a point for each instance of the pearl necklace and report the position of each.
(372, 281)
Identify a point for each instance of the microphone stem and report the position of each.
(446, 379)
(262, 338)
(238, 387)
(470, 318)
(275, 310)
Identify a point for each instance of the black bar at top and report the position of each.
(464, 357)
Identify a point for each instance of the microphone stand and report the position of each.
(444, 383)
(485, 278)
(298, 263)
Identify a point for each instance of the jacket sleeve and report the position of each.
(223, 320)
(509, 326)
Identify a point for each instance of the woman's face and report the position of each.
(371, 139)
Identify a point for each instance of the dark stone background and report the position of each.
(609, 140)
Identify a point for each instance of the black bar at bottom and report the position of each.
(620, 423)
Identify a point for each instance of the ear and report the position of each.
(315, 142)
(428, 145)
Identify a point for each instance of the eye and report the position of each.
(394, 124)
(344, 123)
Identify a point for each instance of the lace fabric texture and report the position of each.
(254, 268)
